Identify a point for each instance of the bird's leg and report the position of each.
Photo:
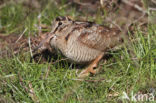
(90, 68)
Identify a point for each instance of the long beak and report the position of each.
(47, 39)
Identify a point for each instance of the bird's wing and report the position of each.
(99, 37)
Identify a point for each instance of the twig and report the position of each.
(29, 42)
(135, 21)
(21, 35)
(65, 5)
(135, 6)
(47, 73)
(111, 21)
(154, 9)
(83, 4)
(39, 24)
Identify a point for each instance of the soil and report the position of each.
(13, 44)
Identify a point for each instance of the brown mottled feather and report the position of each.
(100, 38)
(83, 41)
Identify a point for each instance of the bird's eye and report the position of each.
(60, 23)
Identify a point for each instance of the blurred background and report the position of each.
(16, 15)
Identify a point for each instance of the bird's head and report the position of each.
(58, 25)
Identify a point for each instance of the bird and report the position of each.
(83, 42)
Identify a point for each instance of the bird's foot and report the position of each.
(87, 71)
(91, 67)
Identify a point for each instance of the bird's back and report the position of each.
(87, 40)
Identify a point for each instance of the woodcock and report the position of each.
(83, 42)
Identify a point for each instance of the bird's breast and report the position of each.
(80, 53)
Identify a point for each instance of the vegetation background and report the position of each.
(130, 69)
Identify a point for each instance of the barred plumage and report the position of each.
(83, 42)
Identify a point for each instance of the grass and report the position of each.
(131, 69)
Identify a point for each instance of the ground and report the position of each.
(130, 70)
